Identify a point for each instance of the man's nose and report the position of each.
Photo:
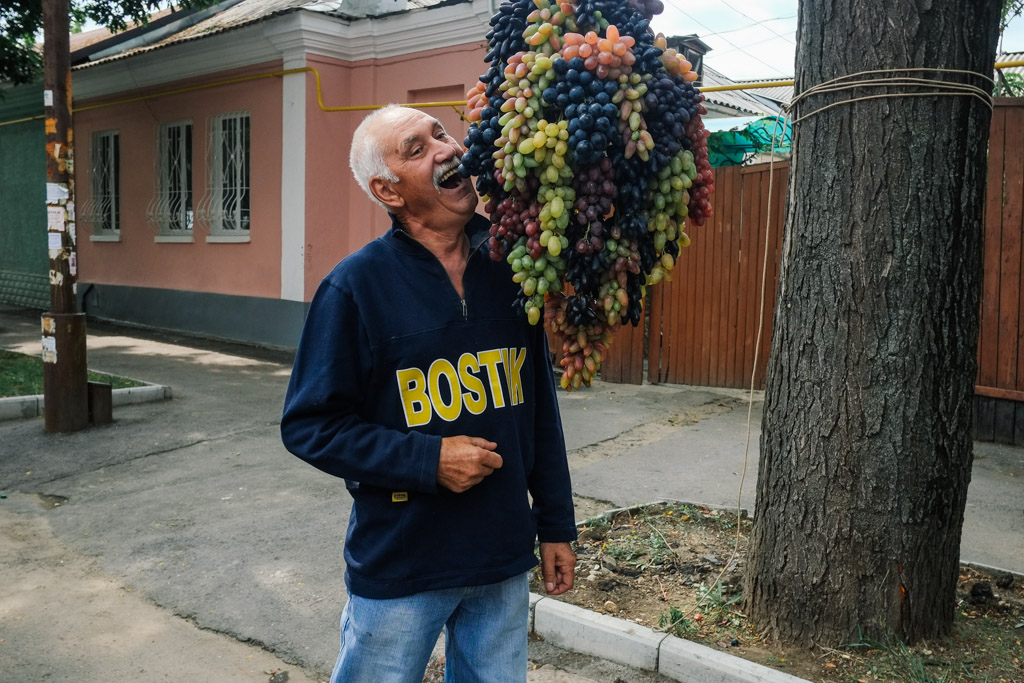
(444, 151)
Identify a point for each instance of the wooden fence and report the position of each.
(1000, 384)
(702, 326)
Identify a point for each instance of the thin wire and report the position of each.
(700, 23)
(749, 26)
(719, 53)
(742, 14)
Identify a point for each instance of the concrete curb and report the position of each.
(623, 642)
(27, 407)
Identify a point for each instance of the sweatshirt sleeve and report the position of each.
(549, 480)
(321, 422)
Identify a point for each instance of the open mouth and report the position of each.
(450, 179)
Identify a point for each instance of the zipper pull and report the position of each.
(465, 311)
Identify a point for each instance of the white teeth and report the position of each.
(448, 175)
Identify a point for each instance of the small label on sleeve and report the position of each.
(400, 497)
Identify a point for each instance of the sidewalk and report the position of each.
(191, 512)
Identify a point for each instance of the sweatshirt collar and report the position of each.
(477, 229)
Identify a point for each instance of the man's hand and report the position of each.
(557, 562)
(465, 461)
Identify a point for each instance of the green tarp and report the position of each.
(733, 147)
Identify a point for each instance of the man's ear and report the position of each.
(385, 193)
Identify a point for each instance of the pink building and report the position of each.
(212, 177)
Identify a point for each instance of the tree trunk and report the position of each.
(866, 443)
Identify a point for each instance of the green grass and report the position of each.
(22, 375)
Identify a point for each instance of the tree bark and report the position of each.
(866, 443)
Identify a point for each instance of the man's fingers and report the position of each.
(557, 562)
(465, 461)
(547, 571)
(491, 459)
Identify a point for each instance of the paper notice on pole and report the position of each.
(55, 241)
(56, 193)
(73, 264)
(47, 98)
(49, 349)
(49, 325)
(55, 218)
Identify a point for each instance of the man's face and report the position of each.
(426, 160)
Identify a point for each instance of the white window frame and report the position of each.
(104, 209)
(175, 201)
(230, 170)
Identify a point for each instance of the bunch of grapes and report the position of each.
(587, 143)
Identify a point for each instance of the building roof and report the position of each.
(780, 94)
(189, 25)
(735, 102)
(1011, 57)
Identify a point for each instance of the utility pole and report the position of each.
(65, 393)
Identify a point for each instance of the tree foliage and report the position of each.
(1011, 10)
(21, 26)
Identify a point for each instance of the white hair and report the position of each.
(366, 157)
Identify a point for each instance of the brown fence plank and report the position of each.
(747, 240)
(760, 285)
(709, 358)
(1010, 253)
(684, 276)
(636, 365)
(1013, 223)
(754, 226)
(654, 332)
(685, 309)
(689, 365)
(726, 304)
(989, 338)
(722, 302)
(766, 245)
(728, 199)
(714, 272)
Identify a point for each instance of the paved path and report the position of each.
(185, 523)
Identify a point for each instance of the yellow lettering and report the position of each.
(474, 399)
(515, 375)
(438, 369)
(415, 402)
(490, 360)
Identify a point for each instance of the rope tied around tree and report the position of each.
(882, 78)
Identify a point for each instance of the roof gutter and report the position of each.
(157, 34)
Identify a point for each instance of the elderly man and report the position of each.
(419, 383)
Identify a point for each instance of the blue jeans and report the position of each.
(390, 641)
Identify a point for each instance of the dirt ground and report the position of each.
(679, 569)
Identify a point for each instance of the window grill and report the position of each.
(226, 205)
(171, 209)
(103, 208)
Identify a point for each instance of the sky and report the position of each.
(756, 40)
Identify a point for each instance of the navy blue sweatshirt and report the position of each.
(391, 360)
